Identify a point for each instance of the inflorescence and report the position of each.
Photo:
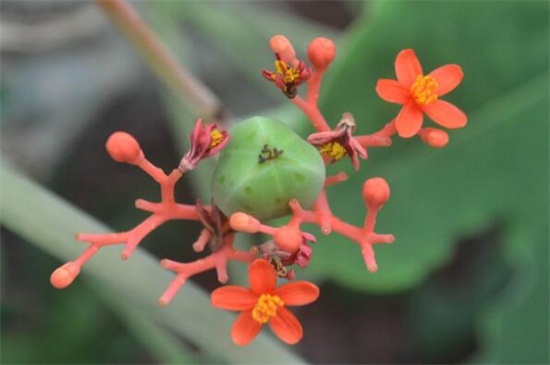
(288, 245)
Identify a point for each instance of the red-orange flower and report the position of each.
(287, 77)
(419, 93)
(264, 303)
(206, 140)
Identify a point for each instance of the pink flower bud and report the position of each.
(376, 192)
(281, 45)
(321, 52)
(122, 147)
(434, 137)
(243, 222)
(65, 275)
(288, 238)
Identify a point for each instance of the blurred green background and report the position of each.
(466, 281)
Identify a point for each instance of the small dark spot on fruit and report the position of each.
(221, 179)
(248, 190)
(299, 177)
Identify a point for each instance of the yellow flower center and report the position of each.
(266, 307)
(289, 74)
(217, 138)
(423, 90)
(334, 150)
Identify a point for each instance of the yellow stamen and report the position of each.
(217, 137)
(266, 307)
(334, 150)
(289, 74)
(423, 90)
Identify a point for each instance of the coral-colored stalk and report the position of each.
(314, 86)
(156, 173)
(203, 239)
(373, 140)
(123, 148)
(375, 193)
(313, 113)
(167, 188)
(336, 179)
(381, 138)
(322, 213)
(216, 260)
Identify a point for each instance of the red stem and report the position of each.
(313, 87)
(313, 113)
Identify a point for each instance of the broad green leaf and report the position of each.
(439, 195)
(514, 329)
(139, 280)
(495, 171)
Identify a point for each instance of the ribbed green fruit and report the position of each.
(243, 183)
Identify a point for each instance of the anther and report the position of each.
(423, 90)
(268, 154)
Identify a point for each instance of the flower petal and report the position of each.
(407, 67)
(320, 138)
(196, 131)
(297, 293)
(393, 91)
(409, 120)
(445, 114)
(232, 297)
(286, 326)
(245, 329)
(448, 77)
(262, 277)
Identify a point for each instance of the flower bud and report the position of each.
(243, 222)
(321, 52)
(63, 276)
(122, 147)
(434, 137)
(376, 192)
(281, 45)
(288, 238)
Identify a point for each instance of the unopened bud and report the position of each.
(122, 147)
(288, 238)
(63, 276)
(321, 52)
(281, 45)
(376, 192)
(434, 137)
(243, 222)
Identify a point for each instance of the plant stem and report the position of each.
(187, 88)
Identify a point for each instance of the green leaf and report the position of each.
(139, 280)
(495, 171)
(438, 195)
(514, 328)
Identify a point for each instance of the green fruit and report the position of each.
(255, 177)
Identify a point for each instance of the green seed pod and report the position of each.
(263, 167)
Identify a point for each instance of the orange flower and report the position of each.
(419, 93)
(287, 77)
(264, 303)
